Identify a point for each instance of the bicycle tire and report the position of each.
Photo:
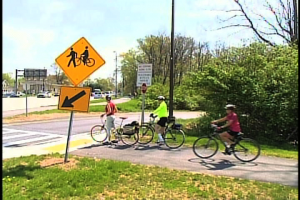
(144, 137)
(96, 131)
(172, 136)
(242, 144)
(129, 139)
(78, 61)
(205, 142)
(90, 62)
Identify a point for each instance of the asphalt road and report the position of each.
(267, 169)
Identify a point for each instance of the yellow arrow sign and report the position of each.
(74, 99)
(80, 61)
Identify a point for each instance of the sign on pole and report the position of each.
(79, 61)
(74, 99)
(144, 74)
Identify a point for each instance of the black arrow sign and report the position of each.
(68, 102)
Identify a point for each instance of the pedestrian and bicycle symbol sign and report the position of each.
(79, 61)
(74, 98)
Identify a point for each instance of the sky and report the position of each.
(36, 32)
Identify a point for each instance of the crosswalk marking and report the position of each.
(34, 137)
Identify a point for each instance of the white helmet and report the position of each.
(230, 106)
(161, 98)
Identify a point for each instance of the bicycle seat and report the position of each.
(123, 117)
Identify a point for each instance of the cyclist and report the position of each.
(110, 111)
(85, 55)
(233, 124)
(162, 112)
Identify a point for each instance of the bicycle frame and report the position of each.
(216, 135)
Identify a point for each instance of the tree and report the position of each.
(60, 77)
(284, 25)
(9, 80)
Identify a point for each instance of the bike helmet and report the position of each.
(230, 107)
(161, 98)
(108, 97)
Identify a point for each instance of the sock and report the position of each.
(160, 138)
(227, 145)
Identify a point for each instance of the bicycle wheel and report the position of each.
(246, 150)
(205, 147)
(90, 62)
(174, 138)
(78, 61)
(99, 133)
(146, 134)
(130, 139)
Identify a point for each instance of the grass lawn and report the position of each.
(101, 100)
(33, 177)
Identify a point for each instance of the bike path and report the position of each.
(266, 169)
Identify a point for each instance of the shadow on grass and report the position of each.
(19, 171)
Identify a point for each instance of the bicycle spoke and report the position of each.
(246, 150)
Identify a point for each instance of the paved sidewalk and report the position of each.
(268, 169)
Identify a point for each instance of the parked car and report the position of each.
(56, 94)
(10, 95)
(44, 95)
(20, 93)
(98, 95)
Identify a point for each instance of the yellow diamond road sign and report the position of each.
(80, 61)
(74, 98)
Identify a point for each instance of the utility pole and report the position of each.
(116, 92)
(16, 85)
(296, 20)
(172, 64)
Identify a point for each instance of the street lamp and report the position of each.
(116, 74)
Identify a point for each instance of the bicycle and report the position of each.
(173, 136)
(90, 62)
(99, 133)
(241, 146)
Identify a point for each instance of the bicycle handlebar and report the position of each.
(214, 126)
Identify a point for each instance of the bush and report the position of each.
(263, 85)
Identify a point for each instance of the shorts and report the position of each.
(162, 121)
(232, 133)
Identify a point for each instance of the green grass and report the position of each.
(24, 178)
(101, 100)
(130, 106)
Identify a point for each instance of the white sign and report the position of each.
(144, 74)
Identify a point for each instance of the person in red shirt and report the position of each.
(233, 124)
(110, 111)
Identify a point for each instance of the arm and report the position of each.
(228, 123)
(158, 109)
(116, 109)
(219, 120)
(108, 110)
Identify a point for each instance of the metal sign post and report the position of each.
(144, 89)
(26, 98)
(69, 135)
(77, 69)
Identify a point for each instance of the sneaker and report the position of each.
(161, 143)
(106, 143)
(114, 141)
(227, 151)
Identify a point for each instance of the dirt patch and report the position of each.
(50, 162)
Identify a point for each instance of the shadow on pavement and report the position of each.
(91, 146)
(211, 164)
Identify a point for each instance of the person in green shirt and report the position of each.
(162, 113)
